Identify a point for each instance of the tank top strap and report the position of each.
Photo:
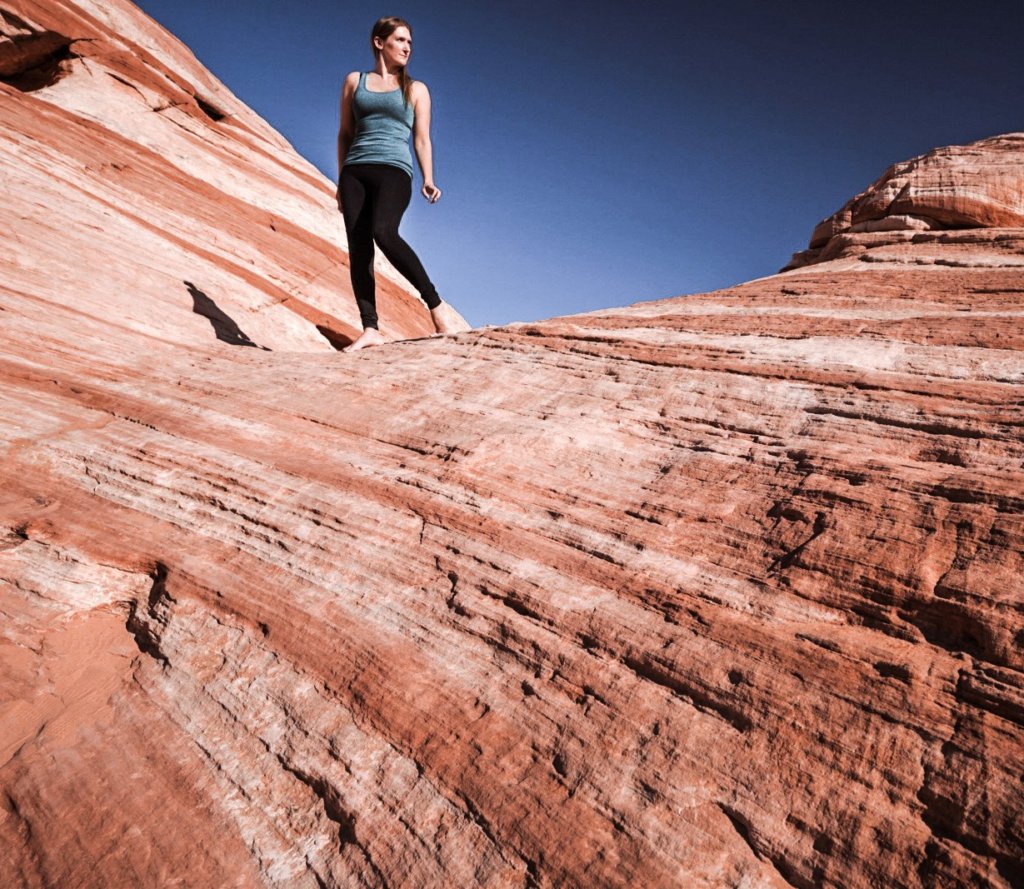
(362, 81)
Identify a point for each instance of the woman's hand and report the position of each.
(431, 192)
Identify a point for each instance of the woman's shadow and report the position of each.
(224, 326)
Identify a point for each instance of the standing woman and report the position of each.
(379, 111)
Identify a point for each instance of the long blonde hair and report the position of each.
(384, 28)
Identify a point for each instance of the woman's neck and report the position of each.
(382, 71)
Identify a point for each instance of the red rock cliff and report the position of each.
(714, 591)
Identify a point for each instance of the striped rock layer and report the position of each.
(722, 590)
(975, 186)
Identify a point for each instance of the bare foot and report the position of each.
(447, 320)
(369, 337)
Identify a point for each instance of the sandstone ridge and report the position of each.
(971, 194)
(722, 590)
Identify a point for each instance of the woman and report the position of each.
(379, 111)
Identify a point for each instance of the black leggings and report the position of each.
(373, 199)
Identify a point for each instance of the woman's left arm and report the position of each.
(421, 140)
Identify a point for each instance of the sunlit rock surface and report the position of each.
(712, 591)
(977, 187)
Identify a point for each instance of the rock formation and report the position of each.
(712, 591)
(976, 186)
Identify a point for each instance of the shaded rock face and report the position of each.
(714, 591)
(133, 180)
(30, 56)
(975, 186)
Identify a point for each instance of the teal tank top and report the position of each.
(383, 126)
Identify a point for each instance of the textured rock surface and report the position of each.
(976, 186)
(715, 591)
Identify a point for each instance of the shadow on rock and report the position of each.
(335, 338)
(224, 326)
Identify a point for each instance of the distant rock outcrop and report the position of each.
(132, 175)
(713, 591)
(976, 186)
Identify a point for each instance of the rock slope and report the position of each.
(712, 591)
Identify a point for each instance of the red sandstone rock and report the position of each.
(980, 185)
(714, 591)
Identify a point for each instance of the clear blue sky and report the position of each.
(594, 155)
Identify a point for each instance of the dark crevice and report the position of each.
(337, 813)
(994, 690)
(14, 538)
(648, 793)
(741, 827)
(697, 698)
(22, 821)
(532, 875)
(328, 796)
(784, 869)
(210, 110)
(125, 81)
(596, 553)
(930, 428)
(158, 591)
(451, 602)
(1010, 870)
(478, 818)
(947, 625)
(900, 672)
(519, 607)
(141, 624)
(35, 61)
(964, 495)
(943, 817)
(560, 764)
(515, 605)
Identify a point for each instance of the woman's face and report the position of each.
(396, 47)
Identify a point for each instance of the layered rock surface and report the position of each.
(714, 591)
(979, 186)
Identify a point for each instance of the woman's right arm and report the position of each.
(347, 130)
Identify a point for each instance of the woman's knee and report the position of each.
(360, 251)
(387, 236)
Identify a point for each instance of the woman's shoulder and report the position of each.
(352, 78)
(419, 88)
